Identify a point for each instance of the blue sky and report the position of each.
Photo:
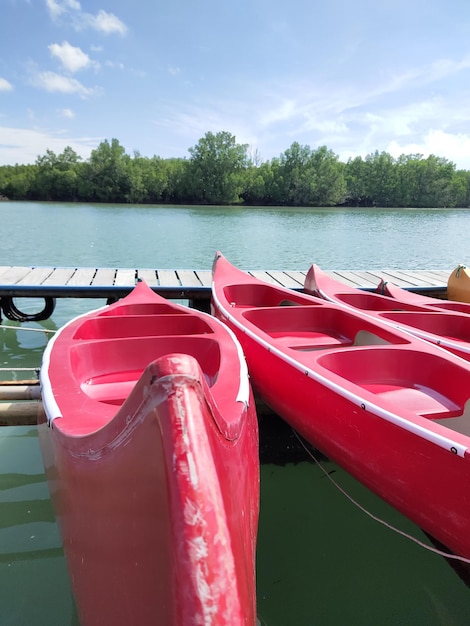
(388, 75)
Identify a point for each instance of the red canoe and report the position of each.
(385, 288)
(150, 444)
(391, 409)
(447, 328)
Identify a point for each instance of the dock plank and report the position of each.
(60, 276)
(264, 275)
(284, 279)
(125, 277)
(150, 277)
(104, 276)
(36, 276)
(17, 273)
(168, 278)
(348, 277)
(428, 276)
(363, 278)
(188, 278)
(298, 276)
(205, 277)
(82, 277)
(416, 278)
(5, 271)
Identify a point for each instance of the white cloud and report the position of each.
(174, 71)
(68, 113)
(105, 22)
(72, 58)
(5, 85)
(50, 81)
(119, 66)
(454, 147)
(23, 146)
(102, 21)
(280, 113)
(57, 8)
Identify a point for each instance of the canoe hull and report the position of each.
(157, 519)
(340, 397)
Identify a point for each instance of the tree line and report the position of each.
(221, 171)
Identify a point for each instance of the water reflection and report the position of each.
(34, 582)
(21, 347)
(321, 560)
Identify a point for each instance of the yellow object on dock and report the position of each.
(458, 285)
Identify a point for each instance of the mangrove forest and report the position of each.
(220, 171)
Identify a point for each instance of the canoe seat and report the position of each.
(111, 388)
(311, 340)
(118, 326)
(460, 424)
(419, 399)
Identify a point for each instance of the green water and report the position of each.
(321, 560)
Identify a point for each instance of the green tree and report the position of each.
(215, 173)
(107, 175)
(356, 182)
(381, 174)
(254, 187)
(329, 186)
(177, 175)
(17, 181)
(295, 176)
(56, 176)
(461, 188)
(154, 176)
(429, 182)
(309, 177)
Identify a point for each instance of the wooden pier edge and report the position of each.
(49, 283)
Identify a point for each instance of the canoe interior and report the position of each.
(410, 379)
(107, 369)
(315, 327)
(255, 295)
(450, 326)
(143, 308)
(362, 353)
(115, 327)
(457, 307)
(374, 302)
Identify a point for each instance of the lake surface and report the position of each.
(321, 560)
(253, 238)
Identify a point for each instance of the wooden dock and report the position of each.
(90, 282)
(180, 284)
